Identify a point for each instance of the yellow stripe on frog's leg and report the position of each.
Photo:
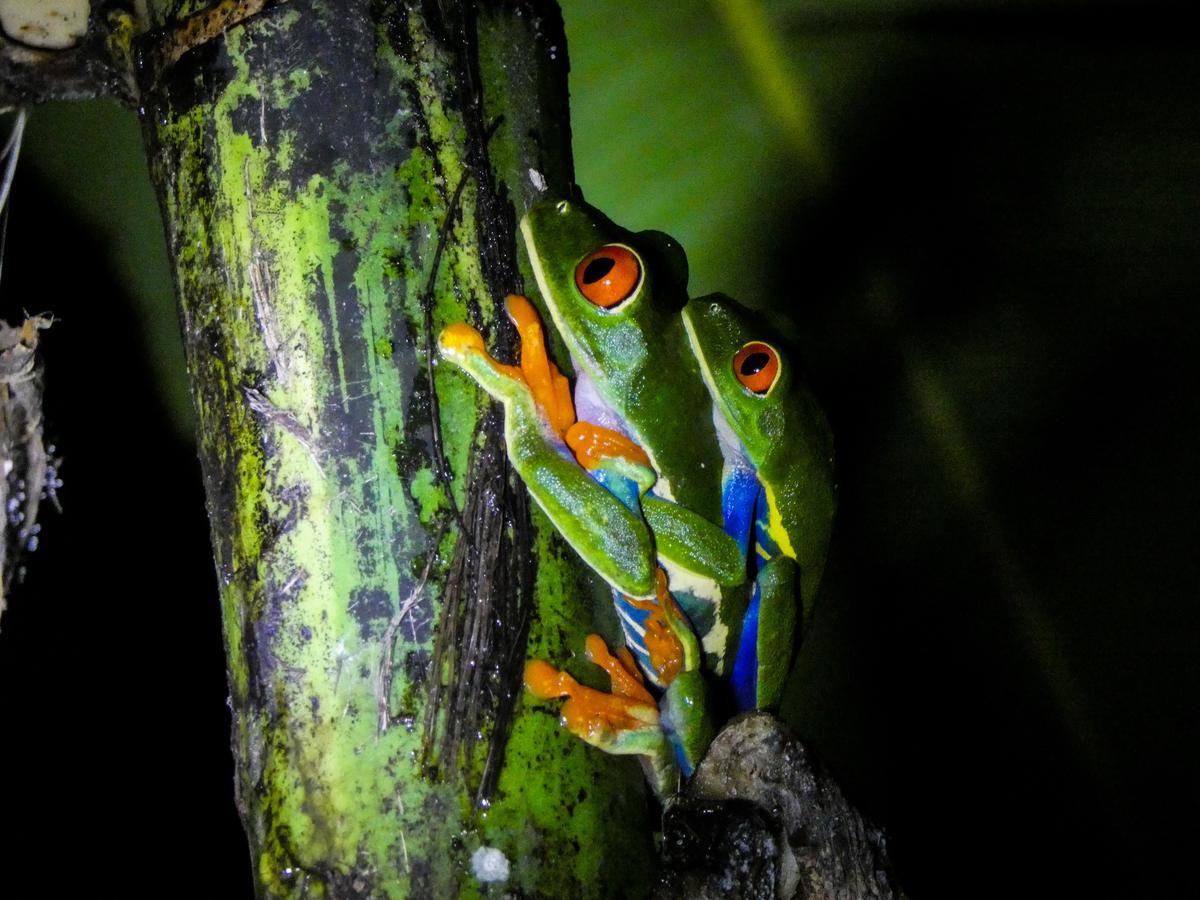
(541, 374)
(775, 525)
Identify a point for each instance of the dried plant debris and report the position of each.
(487, 603)
(27, 465)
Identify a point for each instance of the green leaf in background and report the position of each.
(673, 133)
(92, 154)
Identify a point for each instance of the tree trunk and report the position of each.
(339, 180)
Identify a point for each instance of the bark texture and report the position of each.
(339, 180)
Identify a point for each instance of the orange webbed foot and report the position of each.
(607, 721)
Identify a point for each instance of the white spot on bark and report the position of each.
(489, 864)
(51, 24)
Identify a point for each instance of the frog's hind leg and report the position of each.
(624, 722)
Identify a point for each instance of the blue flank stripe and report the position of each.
(744, 674)
(738, 495)
(681, 757)
(745, 666)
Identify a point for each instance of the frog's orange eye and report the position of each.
(609, 275)
(757, 367)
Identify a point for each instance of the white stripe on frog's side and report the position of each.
(732, 449)
(590, 407)
(635, 640)
(633, 628)
(706, 590)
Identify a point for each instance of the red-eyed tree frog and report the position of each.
(653, 433)
(603, 524)
(615, 298)
(778, 483)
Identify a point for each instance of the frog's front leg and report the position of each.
(691, 542)
(612, 539)
(682, 538)
(550, 388)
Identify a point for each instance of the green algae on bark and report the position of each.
(339, 181)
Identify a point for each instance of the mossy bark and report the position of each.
(339, 180)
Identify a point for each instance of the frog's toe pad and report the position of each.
(459, 339)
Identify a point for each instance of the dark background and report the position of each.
(983, 233)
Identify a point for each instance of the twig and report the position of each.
(384, 689)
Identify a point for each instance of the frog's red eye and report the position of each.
(757, 367)
(609, 275)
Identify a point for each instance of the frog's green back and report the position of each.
(635, 352)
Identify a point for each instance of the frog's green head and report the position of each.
(747, 369)
(770, 411)
(612, 293)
